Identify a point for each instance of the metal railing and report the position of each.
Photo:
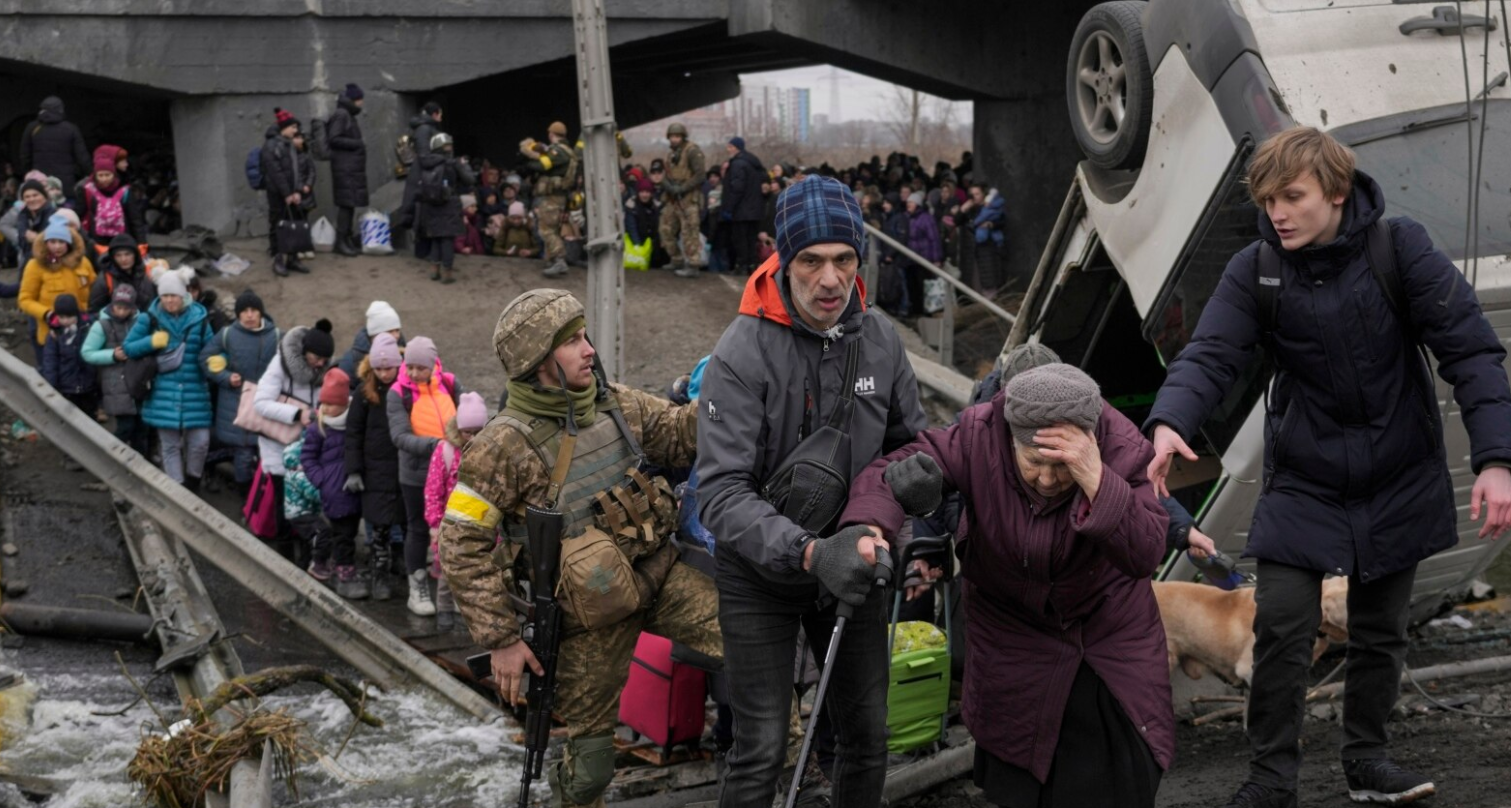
(928, 265)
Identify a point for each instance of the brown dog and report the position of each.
(1208, 629)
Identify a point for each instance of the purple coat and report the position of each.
(323, 459)
(1047, 584)
(923, 235)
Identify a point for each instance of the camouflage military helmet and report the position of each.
(527, 329)
(557, 128)
(676, 129)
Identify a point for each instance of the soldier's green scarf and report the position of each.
(541, 403)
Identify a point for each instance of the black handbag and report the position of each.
(813, 482)
(294, 235)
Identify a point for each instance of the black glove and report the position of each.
(917, 484)
(839, 567)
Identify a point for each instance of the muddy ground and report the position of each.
(71, 552)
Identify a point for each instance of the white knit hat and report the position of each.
(174, 282)
(381, 317)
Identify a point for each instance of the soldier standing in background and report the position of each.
(683, 197)
(557, 164)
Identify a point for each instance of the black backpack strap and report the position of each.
(840, 418)
(1380, 251)
(1267, 292)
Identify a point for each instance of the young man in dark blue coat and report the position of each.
(1356, 478)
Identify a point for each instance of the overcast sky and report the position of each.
(860, 97)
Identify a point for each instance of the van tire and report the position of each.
(1108, 85)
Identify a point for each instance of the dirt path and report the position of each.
(669, 323)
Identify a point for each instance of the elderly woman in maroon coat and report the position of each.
(1067, 689)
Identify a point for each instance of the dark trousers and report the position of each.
(442, 250)
(760, 622)
(1289, 610)
(417, 532)
(338, 542)
(134, 432)
(742, 237)
(88, 402)
(344, 222)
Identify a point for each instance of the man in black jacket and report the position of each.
(744, 203)
(54, 146)
(348, 166)
(423, 127)
(284, 186)
(1356, 478)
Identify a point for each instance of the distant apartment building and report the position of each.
(760, 112)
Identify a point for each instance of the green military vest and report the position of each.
(600, 461)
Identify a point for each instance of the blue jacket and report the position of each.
(324, 461)
(994, 212)
(63, 364)
(1356, 477)
(179, 399)
(248, 353)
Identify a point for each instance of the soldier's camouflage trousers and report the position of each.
(548, 211)
(594, 666)
(679, 218)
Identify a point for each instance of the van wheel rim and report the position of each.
(1101, 88)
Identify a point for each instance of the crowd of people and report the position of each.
(804, 446)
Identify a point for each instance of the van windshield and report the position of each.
(1423, 171)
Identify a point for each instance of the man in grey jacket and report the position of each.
(775, 378)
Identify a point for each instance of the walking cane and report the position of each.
(842, 614)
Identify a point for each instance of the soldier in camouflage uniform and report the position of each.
(683, 203)
(541, 340)
(556, 163)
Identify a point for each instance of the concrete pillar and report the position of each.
(1025, 148)
(213, 134)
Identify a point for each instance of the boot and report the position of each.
(446, 276)
(445, 606)
(192, 483)
(280, 266)
(435, 272)
(294, 265)
(419, 594)
(349, 583)
(556, 270)
(382, 586)
(347, 245)
(688, 271)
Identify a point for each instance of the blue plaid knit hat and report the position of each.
(818, 210)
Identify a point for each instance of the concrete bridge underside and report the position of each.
(205, 75)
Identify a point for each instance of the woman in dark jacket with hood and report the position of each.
(54, 146)
(372, 459)
(238, 354)
(439, 219)
(348, 166)
(1067, 687)
(122, 264)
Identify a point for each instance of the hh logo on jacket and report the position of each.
(865, 386)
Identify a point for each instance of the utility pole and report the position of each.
(595, 97)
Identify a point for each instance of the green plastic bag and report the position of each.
(637, 256)
(918, 687)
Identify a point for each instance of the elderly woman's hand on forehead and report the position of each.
(1077, 449)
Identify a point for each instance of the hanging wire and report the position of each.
(1479, 162)
(1468, 131)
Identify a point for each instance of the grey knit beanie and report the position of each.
(1048, 395)
(1027, 356)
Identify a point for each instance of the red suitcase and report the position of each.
(663, 700)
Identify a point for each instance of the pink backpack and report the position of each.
(109, 219)
(261, 508)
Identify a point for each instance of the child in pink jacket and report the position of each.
(471, 416)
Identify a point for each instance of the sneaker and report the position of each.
(419, 594)
(445, 621)
(349, 584)
(687, 272)
(1254, 795)
(1381, 780)
(321, 570)
(556, 270)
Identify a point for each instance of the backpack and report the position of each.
(434, 188)
(1379, 253)
(254, 169)
(319, 140)
(107, 212)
